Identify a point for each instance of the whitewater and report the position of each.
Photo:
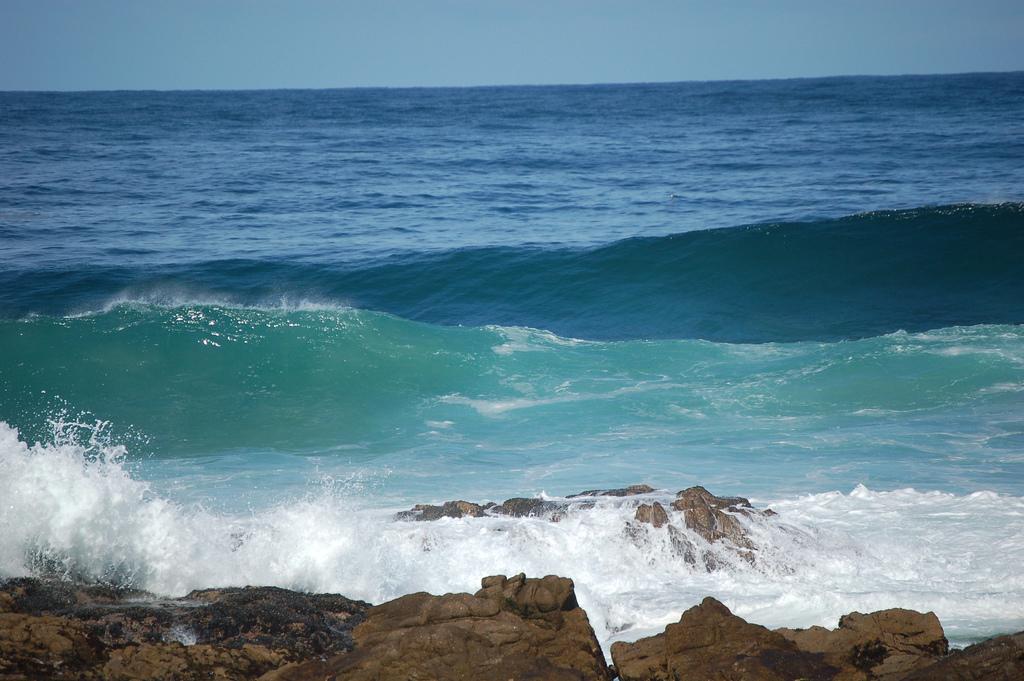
(75, 510)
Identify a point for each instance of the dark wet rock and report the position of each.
(518, 507)
(709, 642)
(652, 514)
(59, 630)
(630, 491)
(684, 547)
(449, 509)
(521, 507)
(888, 644)
(514, 628)
(34, 596)
(301, 624)
(997, 659)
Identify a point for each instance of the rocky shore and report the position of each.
(512, 628)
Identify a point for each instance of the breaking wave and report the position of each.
(853, 277)
(73, 508)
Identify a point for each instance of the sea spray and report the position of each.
(80, 513)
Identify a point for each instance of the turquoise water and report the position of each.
(326, 391)
(239, 330)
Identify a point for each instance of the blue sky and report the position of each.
(185, 44)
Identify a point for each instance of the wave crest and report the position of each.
(858, 276)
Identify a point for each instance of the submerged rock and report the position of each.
(512, 628)
(630, 491)
(715, 520)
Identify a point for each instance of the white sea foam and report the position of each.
(170, 297)
(75, 508)
(525, 339)
(562, 395)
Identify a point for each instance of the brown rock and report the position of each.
(888, 644)
(515, 628)
(46, 647)
(998, 659)
(652, 514)
(450, 509)
(175, 662)
(709, 642)
(642, 660)
(714, 518)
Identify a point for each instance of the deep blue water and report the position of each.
(382, 297)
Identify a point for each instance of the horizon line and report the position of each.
(516, 85)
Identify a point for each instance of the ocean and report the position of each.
(240, 330)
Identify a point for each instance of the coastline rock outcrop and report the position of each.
(46, 648)
(716, 520)
(512, 628)
(519, 507)
(711, 642)
(997, 659)
(885, 644)
(51, 629)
